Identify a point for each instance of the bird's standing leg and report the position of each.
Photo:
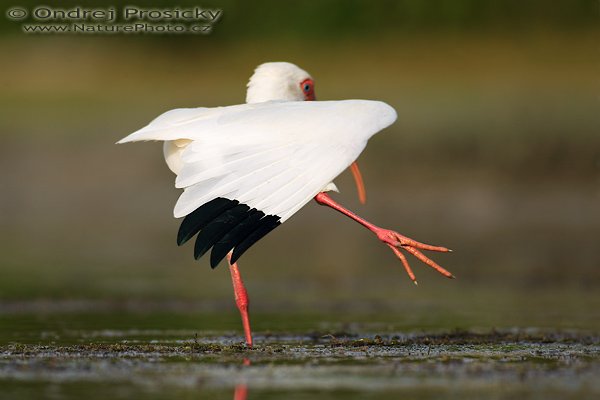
(393, 239)
(241, 298)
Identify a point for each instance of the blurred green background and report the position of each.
(495, 154)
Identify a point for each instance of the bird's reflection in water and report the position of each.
(240, 392)
(241, 387)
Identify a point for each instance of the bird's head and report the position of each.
(279, 81)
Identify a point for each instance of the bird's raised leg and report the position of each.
(391, 238)
(241, 299)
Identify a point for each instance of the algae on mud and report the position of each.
(344, 365)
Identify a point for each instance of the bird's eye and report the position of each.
(306, 86)
(308, 89)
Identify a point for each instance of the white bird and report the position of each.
(247, 168)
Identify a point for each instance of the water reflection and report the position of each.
(241, 388)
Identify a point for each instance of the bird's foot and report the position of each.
(398, 242)
(393, 239)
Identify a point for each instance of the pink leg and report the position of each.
(241, 299)
(393, 239)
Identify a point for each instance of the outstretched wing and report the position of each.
(250, 167)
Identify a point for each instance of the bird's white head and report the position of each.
(280, 81)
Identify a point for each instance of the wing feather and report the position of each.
(270, 158)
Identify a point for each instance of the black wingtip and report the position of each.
(199, 218)
(235, 236)
(225, 225)
(218, 253)
(267, 224)
(215, 263)
(218, 228)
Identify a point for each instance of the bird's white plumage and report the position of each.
(172, 150)
(272, 156)
(276, 81)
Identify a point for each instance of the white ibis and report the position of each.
(245, 169)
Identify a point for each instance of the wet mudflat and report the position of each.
(528, 363)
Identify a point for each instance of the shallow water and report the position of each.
(96, 355)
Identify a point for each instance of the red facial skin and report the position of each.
(308, 88)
